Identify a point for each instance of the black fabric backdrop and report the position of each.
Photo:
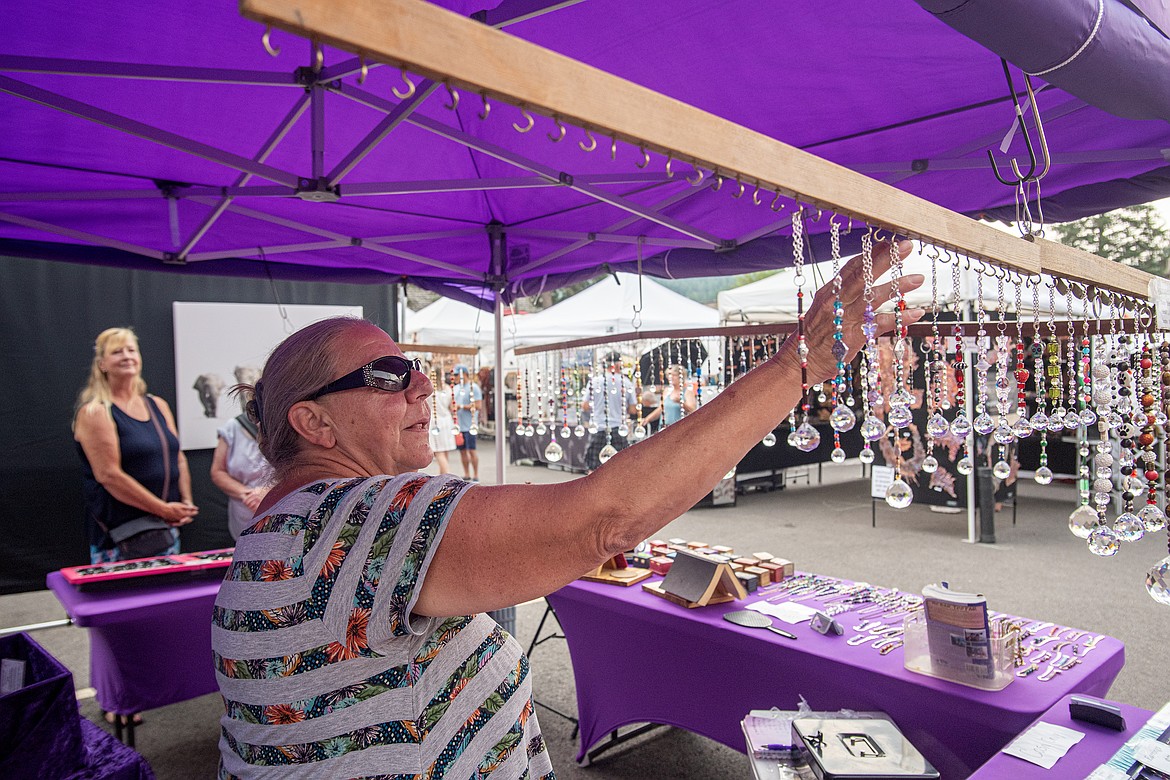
(50, 314)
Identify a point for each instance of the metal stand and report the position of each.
(538, 640)
(985, 501)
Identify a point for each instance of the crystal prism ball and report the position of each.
(1152, 518)
(899, 495)
(837, 455)
(1158, 581)
(866, 455)
(937, 426)
(1103, 541)
(1083, 521)
(842, 419)
(1002, 469)
(1128, 527)
(1043, 476)
(579, 431)
(872, 429)
(930, 464)
(808, 438)
(900, 416)
(606, 453)
(553, 452)
(961, 426)
(769, 440)
(565, 432)
(541, 430)
(473, 430)
(639, 432)
(965, 465)
(623, 430)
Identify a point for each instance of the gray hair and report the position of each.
(299, 366)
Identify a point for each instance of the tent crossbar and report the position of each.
(610, 238)
(441, 45)
(765, 230)
(416, 258)
(265, 250)
(387, 125)
(144, 131)
(81, 235)
(909, 167)
(505, 155)
(266, 149)
(61, 66)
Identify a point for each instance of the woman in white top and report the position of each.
(442, 424)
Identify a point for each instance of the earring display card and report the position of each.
(858, 749)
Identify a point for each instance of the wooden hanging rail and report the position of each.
(445, 47)
(779, 328)
(447, 349)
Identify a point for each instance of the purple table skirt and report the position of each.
(150, 645)
(108, 759)
(1095, 749)
(638, 658)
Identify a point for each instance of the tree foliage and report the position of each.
(1134, 236)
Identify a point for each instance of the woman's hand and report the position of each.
(176, 513)
(253, 496)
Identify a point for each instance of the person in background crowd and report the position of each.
(678, 395)
(468, 405)
(136, 488)
(239, 469)
(442, 425)
(350, 637)
(610, 401)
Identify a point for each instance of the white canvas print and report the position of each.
(218, 345)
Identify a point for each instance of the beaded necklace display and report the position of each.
(520, 387)
(937, 425)
(1158, 576)
(805, 437)
(540, 429)
(578, 398)
(983, 423)
(531, 406)
(566, 432)
(872, 428)
(899, 495)
(1004, 384)
(841, 418)
(961, 425)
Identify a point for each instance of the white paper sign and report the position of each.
(1153, 754)
(1043, 744)
(787, 611)
(880, 479)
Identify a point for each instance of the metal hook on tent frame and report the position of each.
(637, 319)
(695, 182)
(739, 192)
(409, 93)
(266, 40)
(487, 106)
(756, 194)
(531, 122)
(454, 93)
(717, 178)
(561, 130)
(592, 142)
(1031, 175)
(645, 156)
(669, 160)
(776, 200)
(613, 147)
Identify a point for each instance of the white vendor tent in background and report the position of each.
(449, 322)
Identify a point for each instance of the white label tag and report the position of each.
(11, 675)
(1106, 772)
(1043, 744)
(881, 477)
(1153, 754)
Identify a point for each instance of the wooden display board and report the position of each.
(616, 571)
(697, 580)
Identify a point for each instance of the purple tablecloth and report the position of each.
(638, 658)
(149, 645)
(108, 759)
(1095, 749)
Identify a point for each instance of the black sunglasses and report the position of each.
(391, 373)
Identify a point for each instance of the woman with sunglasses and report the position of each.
(349, 635)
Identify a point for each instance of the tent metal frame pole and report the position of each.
(498, 390)
(443, 46)
(62, 66)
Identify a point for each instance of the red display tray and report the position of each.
(147, 570)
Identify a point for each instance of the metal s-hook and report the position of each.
(454, 93)
(756, 194)
(717, 178)
(645, 156)
(739, 192)
(1031, 175)
(409, 93)
(776, 200)
(588, 147)
(266, 40)
(318, 57)
(669, 160)
(613, 147)
(695, 182)
(487, 106)
(637, 319)
(561, 130)
(531, 122)
(365, 71)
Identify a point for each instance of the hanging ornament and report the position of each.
(872, 428)
(606, 453)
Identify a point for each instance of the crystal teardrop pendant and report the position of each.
(1152, 518)
(529, 430)
(1043, 476)
(983, 424)
(961, 427)
(1083, 521)
(565, 432)
(579, 431)
(866, 455)
(1128, 527)
(541, 430)
(769, 440)
(842, 419)
(519, 429)
(899, 495)
(808, 438)
(1103, 541)
(937, 426)
(837, 455)
(872, 429)
(606, 453)
(930, 464)
(473, 429)
(1158, 581)
(1001, 469)
(900, 416)
(639, 432)
(553, 452)
(623, 430)
(592, 428)
(965, 466)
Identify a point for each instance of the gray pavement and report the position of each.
(1036, 568)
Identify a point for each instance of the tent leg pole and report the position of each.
(501, 416)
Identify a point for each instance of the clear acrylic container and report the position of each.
(917, 658)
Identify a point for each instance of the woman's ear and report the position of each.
(313, 423)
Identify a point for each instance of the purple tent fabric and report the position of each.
(167, 138)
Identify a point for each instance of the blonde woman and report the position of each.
(136, 486)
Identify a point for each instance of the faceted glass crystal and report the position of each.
(541, 430)
(623, 430)
(983, 424)
(965, 466)
(1088, 417)
(1039, 421)
(1056, 420)
(606, 453)
(1152, 518)
(1103, 541)
(553, 452)
(1022, 428)
(872, 429)
(639, 432)
(900, 416)
(1001, 469)
(937, 426)
(899, 495)
(529, 430)
(1158, 581)
(579, 431)
(769, 440)
(837, 455)
(1003, 433)
(842, 419)
(1043, 476)
(902, 397)
(1128, 527)
(1083, 520)
(519, 429)
(961, 426)
(1072, 420)
(473, 430)
(592, 428)
(866, 455)
(930, 464)
(565, 432)
(434, 430)
(808, 438)
(791, 439)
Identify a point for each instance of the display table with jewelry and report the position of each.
(638, 658)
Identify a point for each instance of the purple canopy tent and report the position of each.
(165, 137)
